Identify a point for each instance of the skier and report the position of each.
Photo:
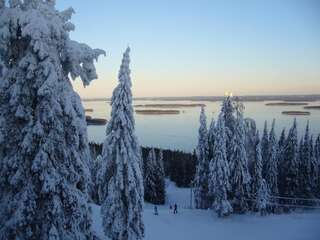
(156, 210)
(175, 211)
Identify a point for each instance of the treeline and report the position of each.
(238, 170)
(179, 166)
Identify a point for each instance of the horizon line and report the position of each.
(216, 96)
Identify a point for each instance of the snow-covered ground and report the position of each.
(202, 225)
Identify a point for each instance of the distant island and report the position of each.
(287, 104)
(296, 113)
(169, 105)
(95, 121)
(157, 112)
(312, 107)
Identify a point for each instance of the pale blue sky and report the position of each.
(203, 47)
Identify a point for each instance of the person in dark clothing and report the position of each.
(175, 210)
(156, 210)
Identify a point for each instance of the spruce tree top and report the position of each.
(202, 148)
(228, 110)
(122, 118)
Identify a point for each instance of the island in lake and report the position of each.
(169, 105)
(157, 112)
(287, 104)
(296, 113)
(95, 121)
(312, 107)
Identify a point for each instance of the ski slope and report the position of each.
(205, 225)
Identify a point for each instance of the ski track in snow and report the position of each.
(205, 225)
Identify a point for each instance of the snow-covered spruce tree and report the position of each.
(281, 162)
(314, 170)
(282, 139)
(317, 149)
(305, 181)
(200, 183)
(228, 110)
(150, 194)
(44, 150)
(263, 198)
(211, 139)
(161, 184)
(317, 161)
(272, 165)
(240, 176)
(162, 173)
(219, 172)
(161, 163)
(300, 156)
(96, 188)
(256, 170)
(251, 139)
(290, 178)
(211, 143)
(265, 148)
(122, 208)
(154, 181)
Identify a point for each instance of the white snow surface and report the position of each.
(190, 224)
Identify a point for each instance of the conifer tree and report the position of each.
(201, 178)
(96, 188)
(314, 170)
(305, 181)
(154, 183)
(251, 135)
(317, 162)
(265, 148)
(211, 139)
(317, 149)
(219, 172)
(281, 162)
(161, 163)
(282, 139)
(290, 178)
(272, 164)
(44, 152)
(211, 143)
(263, 198)
(162, 177)
(122, 208)
(149, 182)
(257, 168)
(228, 110)
(240, 176)
(161, 186)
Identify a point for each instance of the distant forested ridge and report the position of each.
(258, 98)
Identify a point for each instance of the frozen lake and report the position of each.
(180, 131)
